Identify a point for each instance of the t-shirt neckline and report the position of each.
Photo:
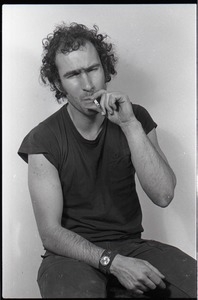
(78, 134)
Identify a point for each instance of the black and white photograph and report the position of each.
(99, 150)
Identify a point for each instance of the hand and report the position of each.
(116, 106)
(136, 275)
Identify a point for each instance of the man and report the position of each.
(81, 166)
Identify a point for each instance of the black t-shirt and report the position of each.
(97, 176)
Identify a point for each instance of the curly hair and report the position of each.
(66, 39)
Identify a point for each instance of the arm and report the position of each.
(47, 200)
(153, 171)
(156, 178)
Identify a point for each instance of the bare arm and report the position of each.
(154, 173)
(47, 199)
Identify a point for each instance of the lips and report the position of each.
(88, 98)
(89, 103)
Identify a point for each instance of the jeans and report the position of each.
(64, 277)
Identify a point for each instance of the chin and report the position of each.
(92, 112)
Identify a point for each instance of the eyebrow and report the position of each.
(72, 72)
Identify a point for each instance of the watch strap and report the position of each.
(109, 254)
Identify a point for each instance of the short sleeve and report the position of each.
(40, 140)
(144, 118)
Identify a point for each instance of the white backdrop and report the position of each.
(156, 46)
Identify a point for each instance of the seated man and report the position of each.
(82, 162)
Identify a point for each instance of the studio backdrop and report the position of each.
(156, 45)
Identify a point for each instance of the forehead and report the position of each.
(84, 57)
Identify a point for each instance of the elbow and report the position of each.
(46, 240)
(48, 237)
(165, 200)
(162, 199)
(166, 197)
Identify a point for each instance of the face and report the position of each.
(81, 74)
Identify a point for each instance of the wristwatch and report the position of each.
(106, 260)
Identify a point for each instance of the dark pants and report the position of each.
(63, 277)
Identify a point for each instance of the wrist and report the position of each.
(106, 260)
(115, 264)
(132, 125)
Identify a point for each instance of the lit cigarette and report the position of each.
(96, 103)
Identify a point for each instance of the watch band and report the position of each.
(106, 260)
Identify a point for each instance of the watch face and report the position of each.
(105, 260)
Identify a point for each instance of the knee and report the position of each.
(64, 287)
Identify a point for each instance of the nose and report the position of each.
(87, 84)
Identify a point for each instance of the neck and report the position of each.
(88, 126)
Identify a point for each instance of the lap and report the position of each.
(178, 267)
(62, 277)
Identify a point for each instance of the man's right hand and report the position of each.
(136, 275)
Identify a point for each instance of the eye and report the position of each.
(93, 69)
(74, 74)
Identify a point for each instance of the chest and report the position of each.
(96, 166)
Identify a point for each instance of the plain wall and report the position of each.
(156, 48)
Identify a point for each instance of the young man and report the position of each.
(81, 166)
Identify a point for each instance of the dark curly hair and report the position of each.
(70, 38)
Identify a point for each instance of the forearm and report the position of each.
(155, 175)
(67, 243)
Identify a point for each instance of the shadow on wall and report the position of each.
(179, 215)
(182, 164)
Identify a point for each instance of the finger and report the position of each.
(157, 281)
(142, 287)
(162, 284)
(92, 105)
(150, 284)
(138, 292)
(98, 94)
(112, 102)
(156, 270)
(102, 103)
(106, 103)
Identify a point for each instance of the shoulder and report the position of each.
(47, 137)
(144, 117)
(139, 110)
(54, 121)
(51, 127)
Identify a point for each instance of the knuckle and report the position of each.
(158, 281)
(152, 285)
(142, 278)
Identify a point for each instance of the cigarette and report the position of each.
(96, 103)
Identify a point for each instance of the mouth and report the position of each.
(92, 104)
(90, 101)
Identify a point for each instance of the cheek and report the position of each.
(71, 88)
(100, 79)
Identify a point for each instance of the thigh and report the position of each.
(178, 267)
(62, 277)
